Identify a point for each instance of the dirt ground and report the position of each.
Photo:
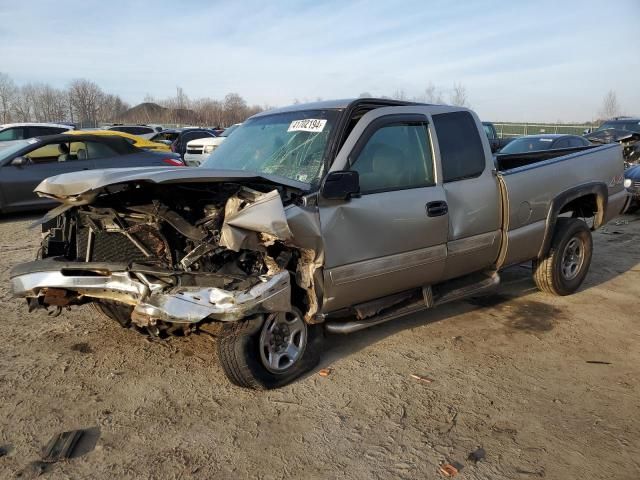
(511, 374)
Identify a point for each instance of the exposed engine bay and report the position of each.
(629, 140)
(179, 254)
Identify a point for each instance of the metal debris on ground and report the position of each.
(421, 378)
(61, 446)
(477, 455)
(448, 470)
(325, 372)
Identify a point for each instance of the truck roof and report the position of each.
(337, 105)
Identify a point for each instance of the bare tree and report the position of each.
(432, 94)
(47, 103)
(22, 107)
(8, 92)
(610, 107)
(400, 94)
(111, 108)
(208, 111)
(86, 99)
(235, 109)
(459, 96)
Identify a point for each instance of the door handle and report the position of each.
(437, 208)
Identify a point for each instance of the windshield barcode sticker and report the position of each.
(307, 125)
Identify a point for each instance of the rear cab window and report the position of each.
(461, 149)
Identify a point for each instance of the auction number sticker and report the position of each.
(314, 125)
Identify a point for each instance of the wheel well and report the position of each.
(586, 201)
(585, 206)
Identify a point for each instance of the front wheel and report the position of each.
(269, 351)
(564, 268)
(114, 311)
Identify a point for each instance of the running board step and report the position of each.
(440, 294)
(464, 287)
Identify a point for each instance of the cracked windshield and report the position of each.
(290, 145)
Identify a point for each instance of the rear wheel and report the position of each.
(269, 351)
(564, 268)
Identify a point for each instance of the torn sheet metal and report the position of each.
(242, 223)
(192, 305)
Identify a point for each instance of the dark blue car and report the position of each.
(25, 163)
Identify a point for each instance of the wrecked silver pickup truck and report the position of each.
(332, 216)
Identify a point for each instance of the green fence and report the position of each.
(506, 130)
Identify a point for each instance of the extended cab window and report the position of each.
(461, 149)
(395, 157)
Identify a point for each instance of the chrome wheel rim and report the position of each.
(282, 341)
(572, 258)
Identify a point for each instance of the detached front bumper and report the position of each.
(58, 283)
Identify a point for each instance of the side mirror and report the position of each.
(341, 185)
(19, 161)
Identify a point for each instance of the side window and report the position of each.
(95, 150)
(562, 143)
(53, 152)
(134, 130)
(395, 157)
(489, 132)
(194, 136)
(42, 131)
(15, 133)
(461, 149)
(577, 142)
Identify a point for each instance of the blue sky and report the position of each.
(519, 61)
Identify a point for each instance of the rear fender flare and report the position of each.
(598, 189)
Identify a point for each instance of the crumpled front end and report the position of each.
(179, 254)
(151, 293)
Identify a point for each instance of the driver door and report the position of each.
(393, 236)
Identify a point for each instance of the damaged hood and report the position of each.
(611, 135)
(82, 187)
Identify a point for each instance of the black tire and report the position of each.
(239, 354)
(114, 311)
(555, 273)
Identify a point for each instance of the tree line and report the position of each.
(83, 102)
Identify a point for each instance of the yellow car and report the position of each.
(133, 139)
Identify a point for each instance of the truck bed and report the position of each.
(515, 160)
(530, 184)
